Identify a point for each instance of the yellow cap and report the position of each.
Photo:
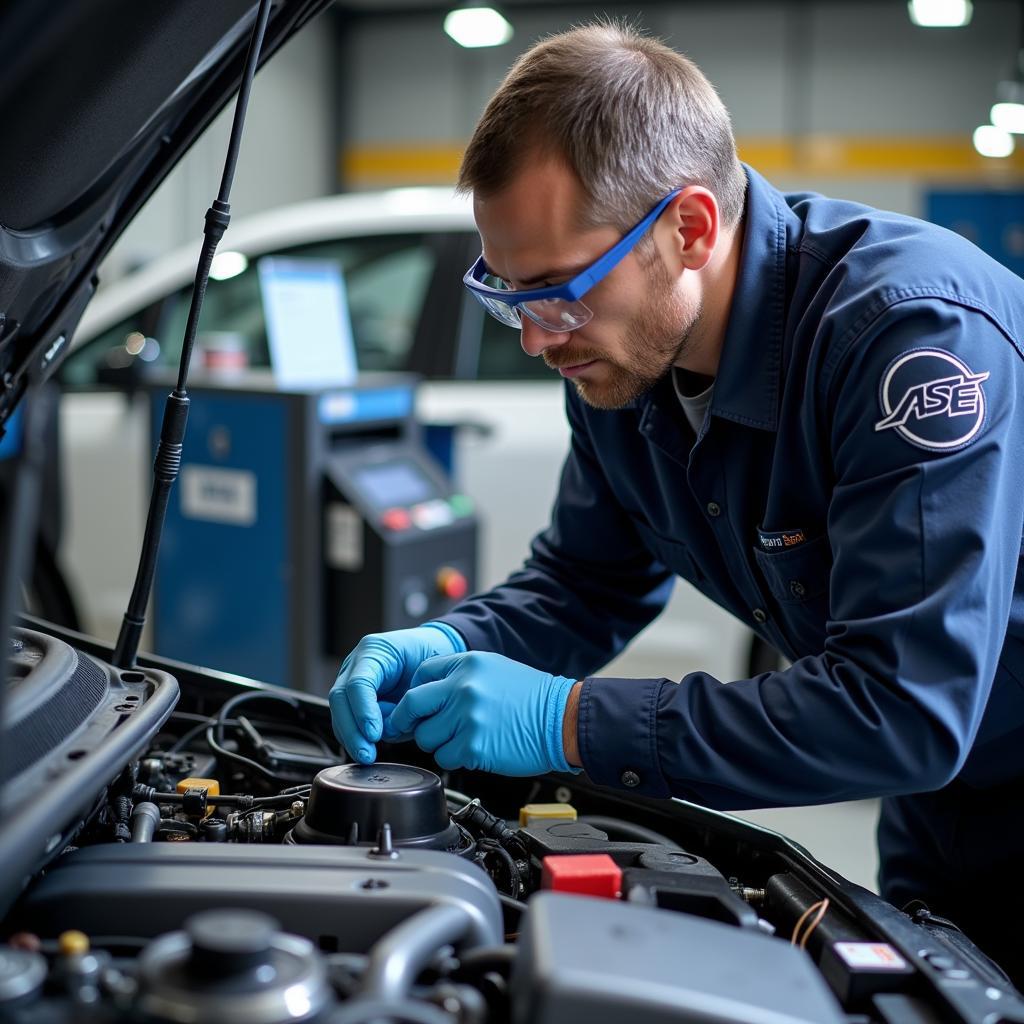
(73, 943)
(212, 787)
(544, 812)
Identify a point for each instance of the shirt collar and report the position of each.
(747, 385)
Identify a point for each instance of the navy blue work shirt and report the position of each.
(855, 495)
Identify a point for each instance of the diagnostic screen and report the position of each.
(308, 327)
(394, 483)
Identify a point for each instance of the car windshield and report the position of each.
(386, 280)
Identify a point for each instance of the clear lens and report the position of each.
(508, 315)
(559, 315)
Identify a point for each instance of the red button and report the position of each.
(587, 874)
(452, 584)
(396, 519)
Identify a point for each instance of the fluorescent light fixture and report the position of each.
(992, 141)
(1009, 117)
(940, 13)
(227, 264)
(477, 26)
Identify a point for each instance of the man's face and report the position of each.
(642, 319)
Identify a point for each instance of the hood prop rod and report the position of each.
(172, 431)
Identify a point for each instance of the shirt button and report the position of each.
(796, 588)
(630, 779)
(714, 509)
(760, 616)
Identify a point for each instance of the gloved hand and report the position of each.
(381, 665)
(484, 711)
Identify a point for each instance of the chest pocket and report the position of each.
(798, 580)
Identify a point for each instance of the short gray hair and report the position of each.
(633, 118)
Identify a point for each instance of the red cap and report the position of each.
(590, 874)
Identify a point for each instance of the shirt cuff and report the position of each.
(617, 734)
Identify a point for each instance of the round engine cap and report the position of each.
(228, 941)
(350, 802)
(266, 977)
(22, 973)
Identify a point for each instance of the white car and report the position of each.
(402, 253)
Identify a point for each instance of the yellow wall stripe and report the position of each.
(933, 158)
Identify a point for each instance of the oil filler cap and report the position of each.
(228, 942)
(349, 803)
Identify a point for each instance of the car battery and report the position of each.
(301, 521)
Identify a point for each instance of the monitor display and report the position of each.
(394, 483)
(308, 327)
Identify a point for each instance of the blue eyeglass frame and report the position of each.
(576, 287)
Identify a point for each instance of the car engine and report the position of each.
(203, 853)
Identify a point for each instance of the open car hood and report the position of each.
(99, 99)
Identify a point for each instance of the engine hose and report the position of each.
(145, 820)
(397, 958)
(484, 959)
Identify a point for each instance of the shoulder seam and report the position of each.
(893, 297)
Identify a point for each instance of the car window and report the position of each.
(386, 281)
(502, 357)
(386, 278)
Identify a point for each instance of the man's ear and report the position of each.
(688, 229)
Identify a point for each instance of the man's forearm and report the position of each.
(570, 744)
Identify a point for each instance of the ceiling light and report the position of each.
(992, 141)
(227, 264)
(940, 13)
(477, 26)
(1009, 117)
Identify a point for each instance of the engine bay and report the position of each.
(224, 862)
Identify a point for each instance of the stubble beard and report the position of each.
(655, 339)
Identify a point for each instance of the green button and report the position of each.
(461, 504)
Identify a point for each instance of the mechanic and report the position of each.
(810, 410)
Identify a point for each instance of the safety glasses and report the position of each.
(557, 307)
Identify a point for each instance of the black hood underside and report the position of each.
(99, 99)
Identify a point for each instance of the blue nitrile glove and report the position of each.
(381, 665)
(485, 711)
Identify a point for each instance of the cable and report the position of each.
(818, 909)
(288, 730)
(516, 906)
(244, 698)
(243, 800)
(489, 846)
(453, 796)
(240, 758)
(215, 730)
(184, 741)
(639, 833)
